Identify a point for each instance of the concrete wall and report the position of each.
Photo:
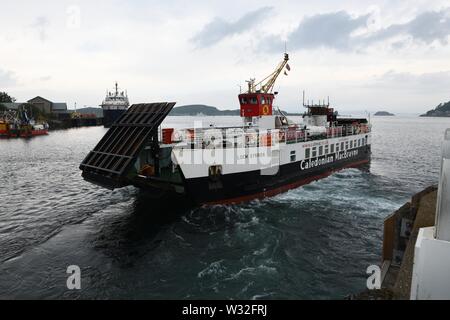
(431, 280)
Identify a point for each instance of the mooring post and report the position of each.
(442, 230)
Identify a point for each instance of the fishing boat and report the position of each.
(18, 124)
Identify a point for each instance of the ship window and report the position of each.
(244, 101)
(327, 149)
(320, 151)
(359, 142)
(307, 153)
(332, 148)
(346, 145)
(263, 100)
(253, 100)
(342, 146)
(351, 144)
(314, 152)
(354, 143)
(293, 156)
(337, 147)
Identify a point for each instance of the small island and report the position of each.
(442, 110)
(384, 114)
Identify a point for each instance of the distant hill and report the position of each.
(200, 109)
(384, 114)
(442, 110)
(196, 109)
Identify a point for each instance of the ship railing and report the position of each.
(204, 138)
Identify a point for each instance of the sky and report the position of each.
(365, 55)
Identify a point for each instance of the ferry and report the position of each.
(114, 105)
(265, 155)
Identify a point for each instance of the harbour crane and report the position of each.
(258, 100)
(266, 85)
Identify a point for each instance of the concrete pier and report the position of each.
(416, 244)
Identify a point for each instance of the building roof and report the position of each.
(40, 98)
(59, 106)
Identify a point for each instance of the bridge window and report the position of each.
(359, 142)
(332, 148)
(320, 151)
(314, 152)
(342, 146)
(307, 153)
(346, 145)
(337, 147)
(244, 100)
(253, 100)
(263, 100)
(327, 149)
(351, 144)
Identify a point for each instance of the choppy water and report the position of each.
(312, 242)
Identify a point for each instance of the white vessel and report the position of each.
(114, 105)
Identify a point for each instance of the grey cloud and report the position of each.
(7, 78)
(41, 24)
(426, 28)
(430, 82)
(333, 30)
(219, 29)
(336, 30)
(45, 78)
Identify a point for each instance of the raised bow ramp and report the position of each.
(109, 163)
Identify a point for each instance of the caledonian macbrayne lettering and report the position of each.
(312, 163)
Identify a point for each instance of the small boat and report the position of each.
(17, 124)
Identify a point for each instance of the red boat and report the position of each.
(16, 124)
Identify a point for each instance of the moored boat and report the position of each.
(114, 105)
(15, 124)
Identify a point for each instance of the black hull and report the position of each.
(246, 186)
(110, 116)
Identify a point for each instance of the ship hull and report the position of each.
(246, 186)
(110, 116)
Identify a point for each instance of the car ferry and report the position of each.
(265, 155)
